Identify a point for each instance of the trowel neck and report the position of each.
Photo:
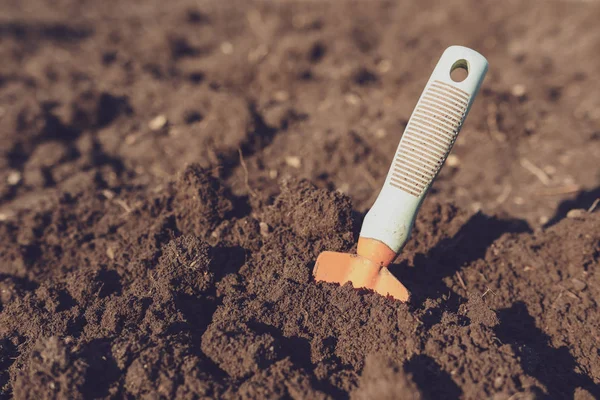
(375, 251)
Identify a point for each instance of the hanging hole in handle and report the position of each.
(459, 70)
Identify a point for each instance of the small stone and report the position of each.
(578, 285)
(384, 66)
(108, 194)
(110, 253)
(453, 161)
(264, 228)
(576, 213)
(353, 99)
(380, 133)
(281, 95)
(5, 216)
(273, 174)
(158, 123)
(343, 188)
(130, 139)
(498, 382)
(518, 90)
(293, 161)
(544, 219)
(14, 177)
(227, 48)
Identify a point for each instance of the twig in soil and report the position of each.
(572, 295)
(568, 189)
(298, 206)
(243, 164)
(535, 170)
(518, 395)
(369, 178)
(556, 300)
(504, 195)
(124, 206)
(594, 205)
(460, 280)
(487, 291)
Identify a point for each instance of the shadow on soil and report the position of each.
(555, 368)
(583, 200)
(469, 244)
(433, 382)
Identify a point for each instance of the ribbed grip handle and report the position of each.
(428, 138)
(436, 121)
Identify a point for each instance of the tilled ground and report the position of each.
(171, 171)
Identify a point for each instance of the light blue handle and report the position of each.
(425, 145)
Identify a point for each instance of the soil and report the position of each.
(170, 173)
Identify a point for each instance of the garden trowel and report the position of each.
(425, 144)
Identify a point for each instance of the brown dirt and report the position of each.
(171, 171)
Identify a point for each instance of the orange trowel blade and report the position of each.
(340, 268)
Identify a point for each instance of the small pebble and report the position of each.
(14, 177)
(453, 161)
(518, 90)
(343, 188)
(227, 48)
(498, 382)
(130, 139)
(281, 95)
(380, 133)
(476, 206)
(110, 253)
(264, 228)
(384, 66)
(352, 99)
(293, 161)
(273, 174)
(576, 213)
(108, 194)
(158, 123)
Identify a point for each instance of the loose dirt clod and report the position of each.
(382, 379)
